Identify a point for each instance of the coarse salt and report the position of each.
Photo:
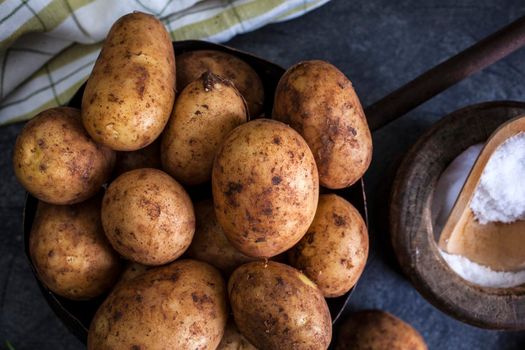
(482, 275)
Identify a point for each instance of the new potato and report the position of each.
(333, 252)
(148, 217)
(205, 112)
(191, 65)
(57, 162)
(70, 252)
(378, 330)
(130, 93)
(265, 187)
(277, 307)
(318, 101)
(210, 244)
(178, 306)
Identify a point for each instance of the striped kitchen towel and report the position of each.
(48, 47)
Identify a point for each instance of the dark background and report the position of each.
(379, 45)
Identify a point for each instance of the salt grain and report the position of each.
(482, 275)
(500, 195)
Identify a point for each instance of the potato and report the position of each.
(57, 162)
(265, 187)
(147, 157)
(378, 330)
(333, 252)
(277, 307)
(148, 217)
(130, 93)
(191, 65)
(68, 248)
(210, 244)
(318, 101)
(205, 112)
(234, 340)
(179, 306)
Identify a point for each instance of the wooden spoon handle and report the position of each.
(458, 67)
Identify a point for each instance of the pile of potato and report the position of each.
(112, 181)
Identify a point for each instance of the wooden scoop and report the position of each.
(496, 245)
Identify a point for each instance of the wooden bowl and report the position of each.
(77, 315)
(411, 224)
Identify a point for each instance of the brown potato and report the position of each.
(191, 65)
(333, 252)
(378, 330)
(147, 157)
(130, 93)
(318, 101)
(178, 306)
(234, 340)
(57, 162)
(70, 252)
(148, 217)
(265, 187)
(210, 244)
(277, 307)
(205, 112)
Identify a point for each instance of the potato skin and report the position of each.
(147, 157)
(70, 251)
(205, 112)
(234, 340)
(378, 330)
(265, 187)
(148, 217)
(210, 244)
(178, 306)
(333, 252)
(191, 65)
(130, 93)
(318, 101)
(57, 162)
(277, 307)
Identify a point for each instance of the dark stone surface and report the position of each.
(380, 45)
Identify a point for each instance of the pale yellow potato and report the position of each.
(378, 330)
(191, 65)
(147, 157)
(205, 112)
(333, 252)
(148, 217)
(234, 340)
(130, 93)
(277, 307)
(318, 101)
(265, 187)
(68, 248)
(57, 162)
(178, 306)
(210, 244)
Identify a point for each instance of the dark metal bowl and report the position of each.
(77, 315)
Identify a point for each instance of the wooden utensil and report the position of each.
(496, 245)
(411, 228)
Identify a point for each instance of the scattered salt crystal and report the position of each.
(500, 195)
